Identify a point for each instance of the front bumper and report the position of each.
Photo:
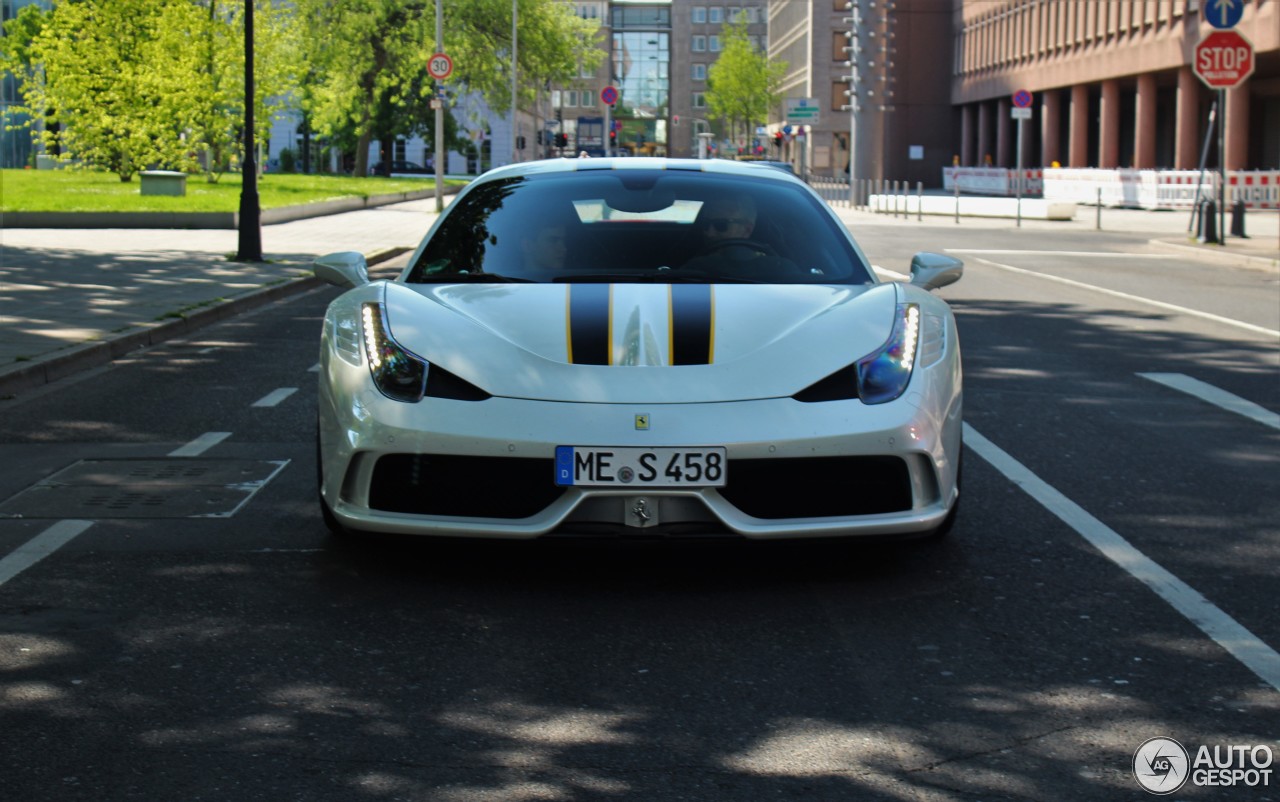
(916, 439)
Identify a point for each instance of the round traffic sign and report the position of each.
(609, 95)
(440, 66)
(1022, 98)
(1223, 14)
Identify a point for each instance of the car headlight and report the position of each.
(400, 375)
(884, 374)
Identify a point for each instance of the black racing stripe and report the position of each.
(691, 324)
(589, 324)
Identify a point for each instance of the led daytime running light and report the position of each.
(884, 375)
(398, 374)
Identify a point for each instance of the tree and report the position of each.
(368, 59)
(123, 87)
(743, 84)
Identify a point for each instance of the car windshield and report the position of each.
(639, 225)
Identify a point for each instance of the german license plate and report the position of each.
(640, 467)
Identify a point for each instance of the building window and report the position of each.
(587, 98)
(699, 72)
(753, 14)
(734, 14)
(715, 15)
(699, 44)
(571, 99)
(713, 44)
(699, 100)
(699, 15)
(584, 72)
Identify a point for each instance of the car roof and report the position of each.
(572, 165)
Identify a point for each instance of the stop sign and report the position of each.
(1224, 59)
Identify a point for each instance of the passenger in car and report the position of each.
(546, 249)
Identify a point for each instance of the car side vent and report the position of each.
(839, 386)
(443, 384)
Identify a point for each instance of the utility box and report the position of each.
(46, 162)
(164, 182)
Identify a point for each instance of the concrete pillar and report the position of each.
(1144, 146)
(1050, 124)
(1109, 126)
(985, 136)
(968, 135)
(1079, 126)
(1238, 127)
(1186, 146)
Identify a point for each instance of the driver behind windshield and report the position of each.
(727, 219)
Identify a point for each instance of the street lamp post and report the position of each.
(439, 105)
(250, 240)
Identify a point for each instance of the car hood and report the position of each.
(640, 343)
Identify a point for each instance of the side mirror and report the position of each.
(345, 269)
(932, 271)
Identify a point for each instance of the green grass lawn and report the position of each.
(87, 191)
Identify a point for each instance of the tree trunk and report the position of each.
(361, 169)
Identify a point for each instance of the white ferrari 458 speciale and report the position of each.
(639, 346)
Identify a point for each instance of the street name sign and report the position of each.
(1223, 59)
(803, 110)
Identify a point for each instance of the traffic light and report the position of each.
(613, 137)
(777, 140)
(562, 140)
(520, 142)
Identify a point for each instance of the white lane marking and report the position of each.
(200, 445)
(1064, 253)
(1216, 396)
(892, 274)
(39, 547)
(1135, 298)
(274, 397)
(314, 368)
(1222, 628)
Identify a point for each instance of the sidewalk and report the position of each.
(72, 299)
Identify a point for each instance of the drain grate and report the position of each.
(148, 488)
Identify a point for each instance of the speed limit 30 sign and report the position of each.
(440, 66)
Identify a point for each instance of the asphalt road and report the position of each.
(252, 657)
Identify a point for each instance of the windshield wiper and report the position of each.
(650, 277)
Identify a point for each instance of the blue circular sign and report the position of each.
(786, 129)
(609, 95)
(1022, 98)
(1223, 13)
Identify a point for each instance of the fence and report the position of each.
(1161, 189)
(993, 181)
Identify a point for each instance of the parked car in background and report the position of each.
(401, 168)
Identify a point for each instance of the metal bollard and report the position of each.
(919, 201)
(957, 187)
(1208, 222)
(1237, 220)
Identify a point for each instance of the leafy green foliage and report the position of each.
(743, 84)
(132, 84)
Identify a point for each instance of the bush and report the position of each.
(288, 162)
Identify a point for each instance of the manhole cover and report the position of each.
(144, 488)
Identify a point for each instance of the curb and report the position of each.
(52, 367)
(1219, 254)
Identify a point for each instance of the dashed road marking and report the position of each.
(39, 547)
(200, 445)
(1216, 396)
(274, 397)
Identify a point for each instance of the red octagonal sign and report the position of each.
(1224, 59)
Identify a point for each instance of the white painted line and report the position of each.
(1107, 254)
(314, 368)
(891, 274)
(1216, 396)
(39, 547)
(1222, 628)
(1136, 298)
(252, 487)
(200, 445)
(274, 397)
